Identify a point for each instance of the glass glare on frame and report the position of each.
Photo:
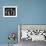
(10, 11)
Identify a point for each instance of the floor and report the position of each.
(32, 43)
(7, 45)
(28, 43)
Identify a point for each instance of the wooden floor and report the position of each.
(30, 43)
(9, 45)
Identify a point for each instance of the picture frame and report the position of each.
(9, 11)
(39, 28)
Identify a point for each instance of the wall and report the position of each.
(7, 25)
(29, 12)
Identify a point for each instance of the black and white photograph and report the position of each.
(29, 34)
(10, 11)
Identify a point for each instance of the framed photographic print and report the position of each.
(9, 11)
(33, 32)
